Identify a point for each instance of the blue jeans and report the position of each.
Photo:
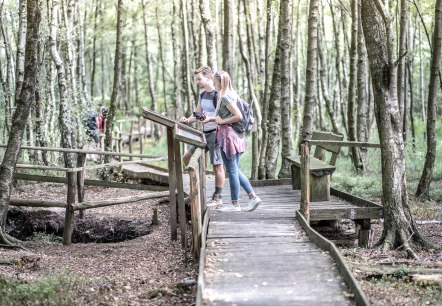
(236, 177)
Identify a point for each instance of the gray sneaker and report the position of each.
(216, 201)
(253, 204)
(230, 207)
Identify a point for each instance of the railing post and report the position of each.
(172, 183)
(195, 210)
(69, 216)
(81, 159)
(305, 181)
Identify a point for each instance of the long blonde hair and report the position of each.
(226, 87)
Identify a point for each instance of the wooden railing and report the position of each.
(75, 181)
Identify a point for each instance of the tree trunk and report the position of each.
(310, 82)
(94, 48)
(228, 49)
(210, 36)
(117, 79)
(401, 60)
(7, 84)
(285, 44)
(64, 116)
(324, 86)
(362, 112)
(251, 89)
(19, 119)
(150, 77)
(400, 229)
(423, 189)
(177, 104)
(21, 41)
(356, 157)
(186, 59)
(163, 65)
(265, 100)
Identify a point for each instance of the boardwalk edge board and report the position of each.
(327, 245)
(199, 294)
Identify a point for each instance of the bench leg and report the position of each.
(363, 226)
(296, 177)
(319, 188)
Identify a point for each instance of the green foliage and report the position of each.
(48, 238)
(43, 291)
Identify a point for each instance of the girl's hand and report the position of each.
(219, 120)
(208, 119)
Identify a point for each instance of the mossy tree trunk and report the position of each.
(23, 108)
(400, 229)
(423, 188)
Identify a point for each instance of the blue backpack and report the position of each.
(245, 125)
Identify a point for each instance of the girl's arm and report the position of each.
(236, 115)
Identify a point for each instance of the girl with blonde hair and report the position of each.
(232, 143)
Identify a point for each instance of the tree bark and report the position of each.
(310, 82)
(186, 59)
(251, 89)
(351, 104)
(177, 101)
(265, 100)
(362, 112)
(228, 37)
(23, 108)
(94, 48)
(210, 37)
(400, 229)
(117, 79)
(163, 66)
(285, 44)
(150, 77)
(401, 60)
(423, 189)
(64, 116)
(21, 41)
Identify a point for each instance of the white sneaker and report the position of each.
(216, 201)
(230, 207)
(253, 204)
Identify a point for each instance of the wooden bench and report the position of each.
(320, 170)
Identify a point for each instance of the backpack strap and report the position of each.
(215, 99)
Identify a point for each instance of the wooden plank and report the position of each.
(87, 182)
(344, 213)
(180, 193)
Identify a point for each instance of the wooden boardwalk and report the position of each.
(265, 258)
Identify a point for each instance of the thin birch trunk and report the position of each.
(228, 37)
(64, 116)
(21, 41)
(163, 65)
(401, 62)
(210, 36)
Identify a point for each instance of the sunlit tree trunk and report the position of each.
(186, 59)
(23, 108)
(400, 229)
(423, 189)
(7, 83)
(94, 47)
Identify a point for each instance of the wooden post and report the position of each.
(363, 226)
(140, 136)
(180, 188)
(81, 159)
(202, 171)
(120, 145)
(305, 181)
(69, 216)
(172, 183)
(130, 145)
(195, 211)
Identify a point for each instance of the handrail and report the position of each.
(66, 150)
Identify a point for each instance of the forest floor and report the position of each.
(153, 270)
